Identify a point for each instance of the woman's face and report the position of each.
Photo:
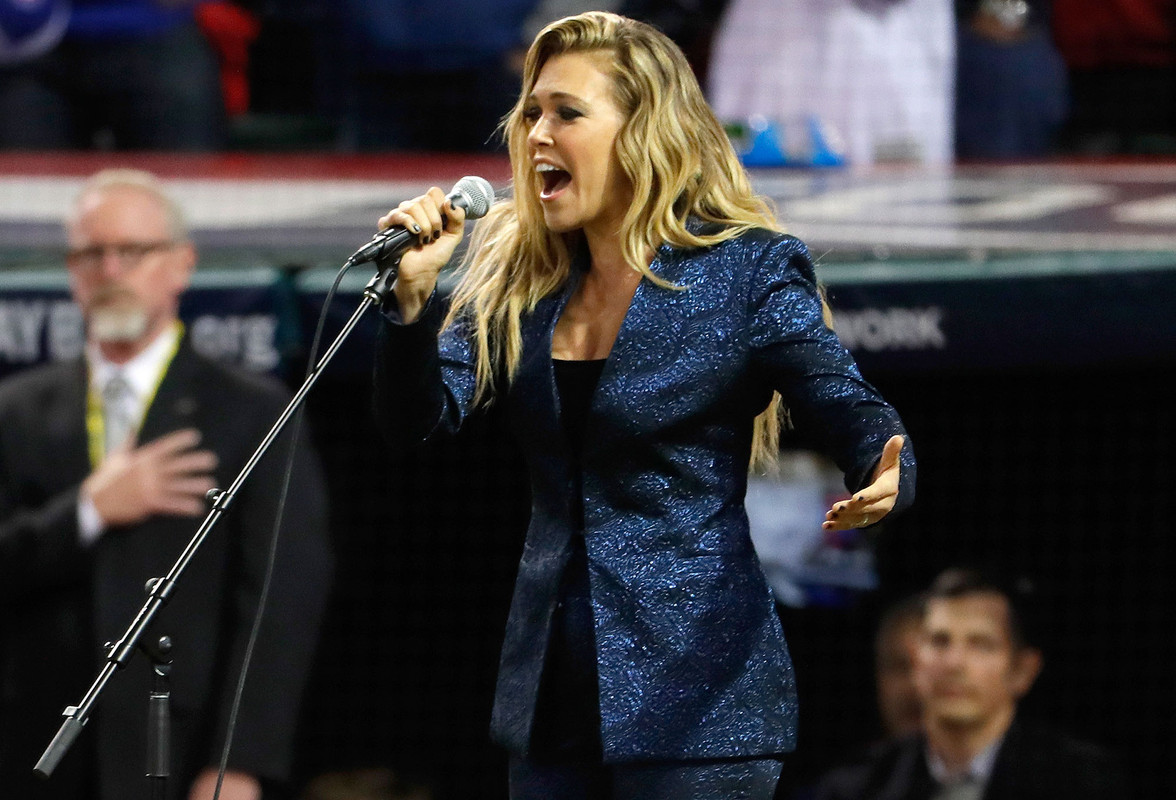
(572, 125)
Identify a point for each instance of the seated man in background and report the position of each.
(975, 662)
(895, 648)
(900, 711)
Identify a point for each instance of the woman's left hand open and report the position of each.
(875, 501)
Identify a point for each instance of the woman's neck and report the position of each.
(596, 309)
(606, 255)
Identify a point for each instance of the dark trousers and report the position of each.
(728, 779)
(565, 761)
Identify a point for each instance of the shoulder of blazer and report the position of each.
(33, 385)
(753, 239)
(1046, 755)
(218, 378)
(887, 770)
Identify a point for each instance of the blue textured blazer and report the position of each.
(690, 654)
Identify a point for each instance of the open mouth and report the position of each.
(555, 180)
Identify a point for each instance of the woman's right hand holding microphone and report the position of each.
(438, 225)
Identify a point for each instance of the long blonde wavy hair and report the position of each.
(671, 148)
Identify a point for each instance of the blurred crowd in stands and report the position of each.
(872, 80)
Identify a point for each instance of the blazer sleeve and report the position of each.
(39, 540)
(830, 402)
(424, 377)
(38, 545)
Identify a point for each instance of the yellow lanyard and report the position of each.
(95, 420)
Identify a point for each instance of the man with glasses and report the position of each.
(104, 467)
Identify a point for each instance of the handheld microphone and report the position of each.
(472, 193)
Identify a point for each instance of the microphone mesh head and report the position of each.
(477, 193)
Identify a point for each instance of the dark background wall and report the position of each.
(1063, 475)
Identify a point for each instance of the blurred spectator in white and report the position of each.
(877, 74)
(122, 74)
(1011, 95)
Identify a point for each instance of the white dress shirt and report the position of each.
(142, 374)
(967, 783)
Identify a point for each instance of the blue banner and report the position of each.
(1069, 311)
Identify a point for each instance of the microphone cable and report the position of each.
(295, 430)
(477, 196)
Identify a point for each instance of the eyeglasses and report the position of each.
(128, 255)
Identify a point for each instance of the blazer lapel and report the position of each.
(176, 401)
(911, 780)
(649, 337)
(1009, 775)
(67, 424)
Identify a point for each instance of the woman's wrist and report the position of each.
(411, 298)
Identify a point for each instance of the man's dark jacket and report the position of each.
(59, 601)
(1033, 763)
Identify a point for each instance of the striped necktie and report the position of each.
(118, 410)
(964, 788)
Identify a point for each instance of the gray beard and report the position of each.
(118, 325)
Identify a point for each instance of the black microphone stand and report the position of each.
(159, 715)
(160, 590)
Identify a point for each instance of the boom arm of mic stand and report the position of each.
(162, 589)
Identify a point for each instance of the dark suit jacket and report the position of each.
(1033, 763)
(59, 603)
(691, 657)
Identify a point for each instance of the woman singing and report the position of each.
(638, 313)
